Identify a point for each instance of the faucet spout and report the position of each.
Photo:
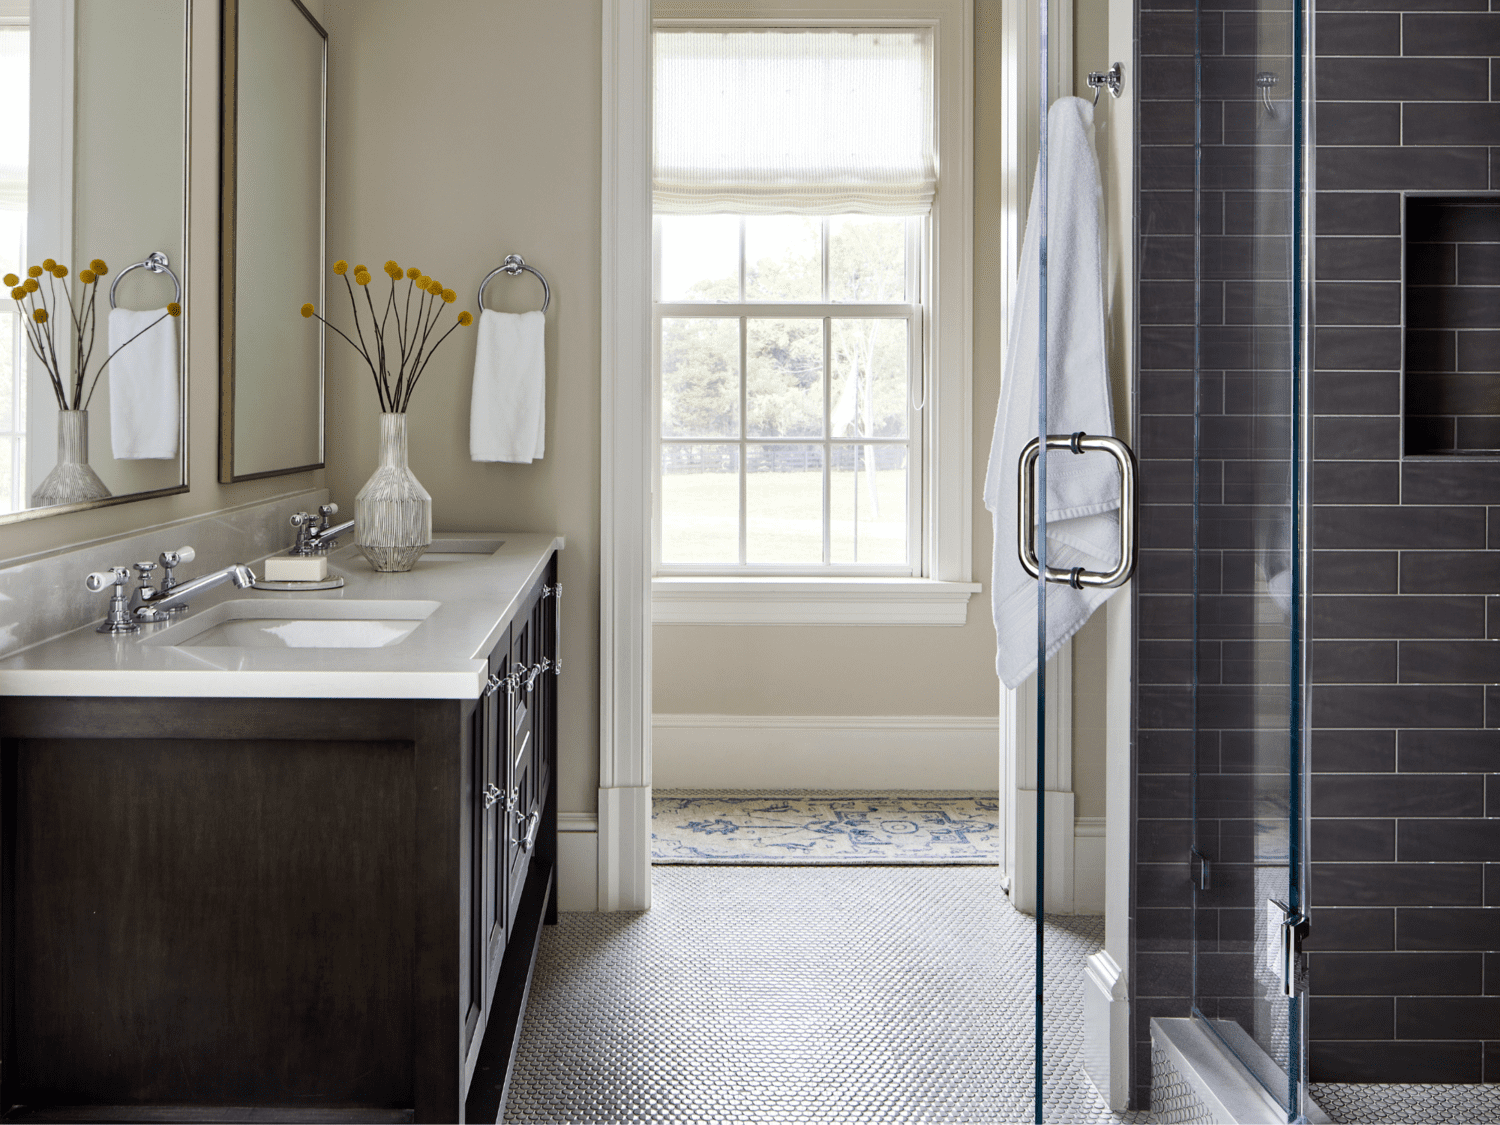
(151, 605)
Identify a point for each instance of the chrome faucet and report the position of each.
(150, 604)
(314, 536)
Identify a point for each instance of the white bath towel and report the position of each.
(145, 413)
(508, 412)
(1082, 490)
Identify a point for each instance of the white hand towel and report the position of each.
(144, 385)
(1082, 490)
(508, 413)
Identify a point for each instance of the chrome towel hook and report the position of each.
(513, 265)
(1113, 78)
(156, 262)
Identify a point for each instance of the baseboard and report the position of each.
(1089, 857)
(959, 752)
(1106, 1029)
(577, 867)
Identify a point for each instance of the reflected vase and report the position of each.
(71, 481)
(392, 512)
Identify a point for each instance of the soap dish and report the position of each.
(332, 582)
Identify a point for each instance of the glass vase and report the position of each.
(392, 512)
(71, 481)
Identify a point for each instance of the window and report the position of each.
(810, 276)
(788, 359)
(15, 82)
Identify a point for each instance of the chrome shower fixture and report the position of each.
(1266, 80)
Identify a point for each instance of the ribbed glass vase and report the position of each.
(71, 481)
(392, 512)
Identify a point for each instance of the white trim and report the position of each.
(578, 871)
(625, 448)
(1106, 1029)
(809, 601)
(777, 752)
(1088, 827)
(577, 822)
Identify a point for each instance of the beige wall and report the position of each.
(53, 533)
(462, 131)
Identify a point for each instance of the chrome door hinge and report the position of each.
(1288, 931)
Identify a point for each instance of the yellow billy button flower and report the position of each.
(392, 268)
(40, 316)
(18, 293)
(307, 309)
(60, 272)
(34, 271)
(98, 266)
(12, 280)
(362, 278)
(449, 296)
(465, 318)
(49, 264)
(436, 288)
(88, 277)
(424, 282)
(413, 273)
(361, 269)
(340, 267)
(174, 309)
(31, 285)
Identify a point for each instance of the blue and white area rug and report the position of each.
(821, 828)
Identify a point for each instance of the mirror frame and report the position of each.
(184, 269)
(229, 23)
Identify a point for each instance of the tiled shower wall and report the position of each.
(1406, 715)
(1405, 971)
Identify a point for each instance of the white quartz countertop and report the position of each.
(444, 657)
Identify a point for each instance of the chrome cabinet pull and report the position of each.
(556, 592)
(526, 826)
(491, 795)
(1078, 577)
(492, 685)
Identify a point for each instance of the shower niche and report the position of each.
(1451, 282)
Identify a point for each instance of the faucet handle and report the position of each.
(328, 511)
(144, 570)
(114, 576)
(171, 559)
(301, 518)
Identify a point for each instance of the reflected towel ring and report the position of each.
(156, 262)
(513, 265)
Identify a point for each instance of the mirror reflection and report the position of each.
(92, 173)
(274, 120)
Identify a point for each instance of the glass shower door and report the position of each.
(1247, 791)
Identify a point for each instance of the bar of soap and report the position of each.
(296, 568)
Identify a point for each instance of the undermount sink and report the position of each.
(284, 623)
(459, 550)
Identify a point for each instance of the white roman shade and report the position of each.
(816, 121)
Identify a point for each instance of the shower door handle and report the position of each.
(1079, 443)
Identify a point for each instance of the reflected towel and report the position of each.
(145, 413)
(1083, 496)
(508, 412)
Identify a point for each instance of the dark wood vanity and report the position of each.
(278, 908)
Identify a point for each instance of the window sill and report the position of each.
(810, 601)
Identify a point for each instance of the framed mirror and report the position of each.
(93, 168)
(273, 222)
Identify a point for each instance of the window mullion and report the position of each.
(744, 411)
(827, 417)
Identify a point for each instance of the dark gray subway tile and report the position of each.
(1358, 259)
(1353, 572)
(1358, 33)
(1348, 302)
(1449, 220)
(1166, 346)
(1458, 306)
(1477, 263)
(1374, 974)
(1448, 751)
(1356, 437)
(1357, 349)
(1452, 393)
(1450, 662)
(1167, 302)
(1414, 617)
(1397, 795)
(1165, 76)
(1481, 434)
(1353, 662)
(1430, 435)
(1351, 750)
(1165, 572)
(1413, 168)
(1492, 795)
(1491, 1062)
(1352, 1017)
(1448, 929)
(1166, 615)
(1400, 705)
(1168, 212)
(1431, 1017)
(1167, 33)
(1450, 33)
(1443, 123)
(1383, 5)
(1418, 79)
(1429, 349)
(1163, 841)
(1363, 1061)
(1431, 263)
(1451, 840)
(1353, 840)
(1359, 123)
(1451, 482)
(1356, 482)
(1433, 527)
(1352, 928)
(1492, 977)
(1164, 436)
(1449, 572)
(1492, 884)
(1358, 212)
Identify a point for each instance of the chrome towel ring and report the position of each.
(513, 265)
(156, 262)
